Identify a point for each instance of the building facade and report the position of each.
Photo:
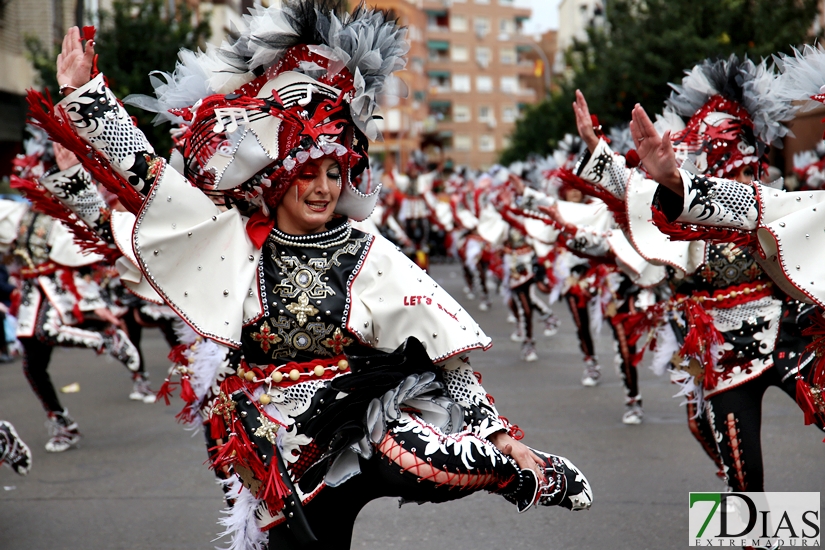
(477, 78)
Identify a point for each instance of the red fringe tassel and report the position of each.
(43, 113)
(687, 232)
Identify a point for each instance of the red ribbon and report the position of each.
(258, 228)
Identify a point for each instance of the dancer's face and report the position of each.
(308, 204)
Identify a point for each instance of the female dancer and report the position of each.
(321, 415)
(738, 334)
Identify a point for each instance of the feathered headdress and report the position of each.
(803, 76)
(735, 111)
(297, 83)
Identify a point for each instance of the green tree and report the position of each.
(645, 44)
(133, 40)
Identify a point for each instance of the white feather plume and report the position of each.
(803, 75)
(239, 520)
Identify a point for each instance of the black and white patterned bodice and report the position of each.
(304, 281)
(725, 265)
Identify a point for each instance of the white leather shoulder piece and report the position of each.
(65, 251)
(123, 226)
(653, 245)
(466, 218)
(444, 214)
(540, 231)
(492, 227)
(594, 215)
(11, 212)
(198, 259)
(791, 242)
(392, 299)
(640, 271)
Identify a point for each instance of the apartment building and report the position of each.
(477, 74)
(403, 117)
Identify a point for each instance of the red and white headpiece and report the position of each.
(735, 114)
(297, 83)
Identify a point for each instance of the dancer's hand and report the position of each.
(584, 123)
(655, 151)
(521, 453)
(74, 63)
(64, 158)
(106, 315)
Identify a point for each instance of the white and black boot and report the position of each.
(13, 451)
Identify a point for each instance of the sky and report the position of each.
(545, 15)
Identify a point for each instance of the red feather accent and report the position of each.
(217, 429)
(176, 355)
(688, 232)
(165, 391)
(614, 204)
(186, 391)
(54, 120)
(46, 203)
(702, 334)
(66, 277)
(274, 490)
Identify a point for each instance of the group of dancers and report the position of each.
(324, 365)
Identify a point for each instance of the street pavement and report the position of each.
(137, 481)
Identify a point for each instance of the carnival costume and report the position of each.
(733, 333)
(320, 411)
(58, 296)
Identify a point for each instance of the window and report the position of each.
(438, 50)
(481, 26)
(440, 110)
(438, 21)
(486, 143)
(459, 23)
(483, 56)
(507, 56)
(439, 81)
(509, 84)
(459, 53)
(461, 113)
(484, 84)
(462, 142)
(505, 142)
(506, 26)
(509, 113)
(482, 1)
(461, 83)
(417, 65)
(484, 113)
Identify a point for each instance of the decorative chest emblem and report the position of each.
(267, 430)
(337, 342)
(302, 309)
(266, 338)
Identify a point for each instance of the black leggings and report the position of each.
(581, 317)
(135, 322)
(36, 358)
(736, 417)
(522, 307)
(414, 461)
